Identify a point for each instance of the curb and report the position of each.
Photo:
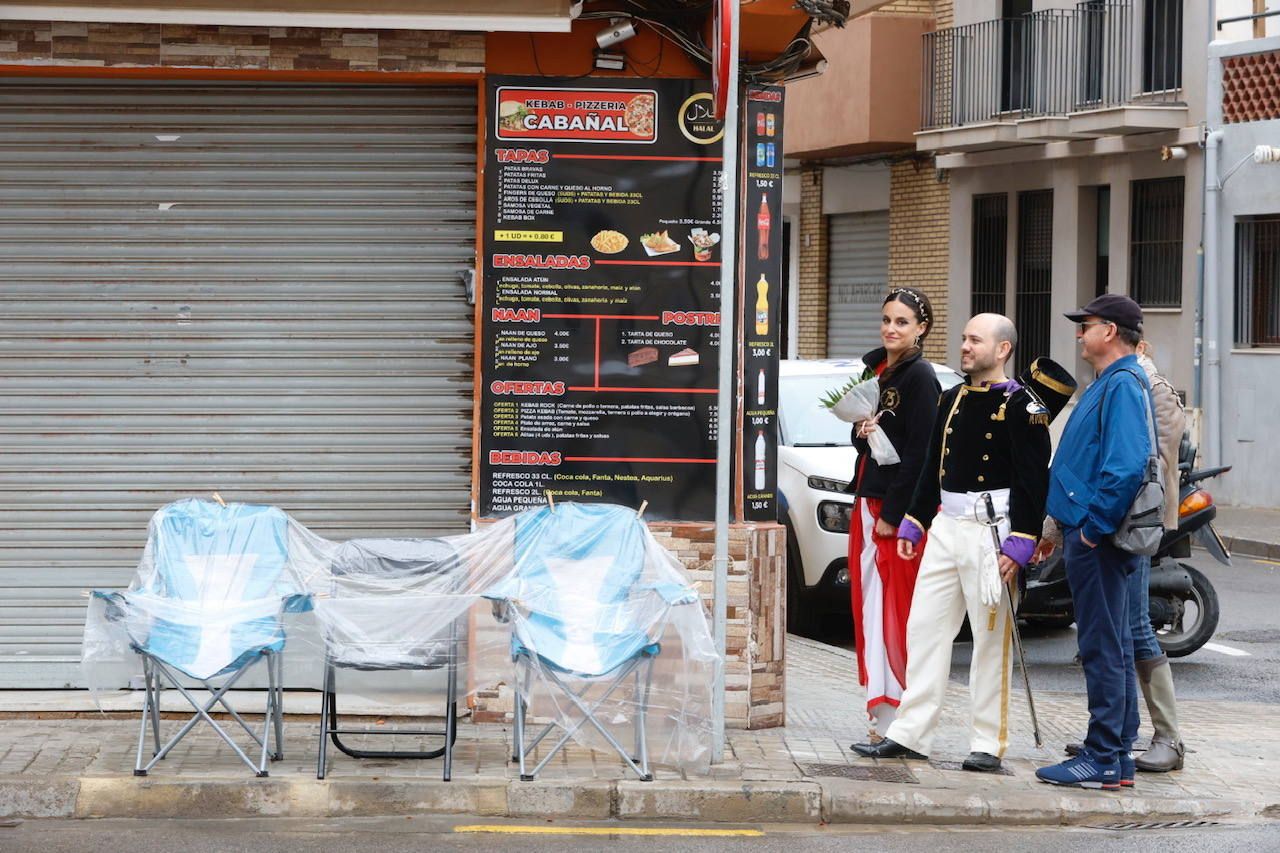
(828, 801)
(1252, 548)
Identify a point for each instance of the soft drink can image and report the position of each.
(760, 154)
(770, 158)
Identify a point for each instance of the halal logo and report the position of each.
(697, 122)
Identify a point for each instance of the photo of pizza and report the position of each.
(609, 242)
(640, 115)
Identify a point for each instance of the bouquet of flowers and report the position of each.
(858, 401)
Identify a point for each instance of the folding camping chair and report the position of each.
(209, 607)
(579, 610)
(375, 583)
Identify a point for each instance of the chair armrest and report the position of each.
(501, 609)
(113, 599)
(674, 593)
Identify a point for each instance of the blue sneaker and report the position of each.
(1083, 771)
(1127, 769)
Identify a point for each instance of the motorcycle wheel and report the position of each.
(1201, 606)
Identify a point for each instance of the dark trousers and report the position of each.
(1098, 578)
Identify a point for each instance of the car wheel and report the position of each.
(796, 621)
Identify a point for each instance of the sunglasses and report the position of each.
(1084, 326)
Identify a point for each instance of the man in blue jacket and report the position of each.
(1094, 478)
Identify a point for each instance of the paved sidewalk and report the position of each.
(55, 762)
(1250, 531)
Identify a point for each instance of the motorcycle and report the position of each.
(1184, 604)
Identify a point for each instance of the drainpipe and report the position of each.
(1212, 304)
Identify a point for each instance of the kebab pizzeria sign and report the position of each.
(577, 115)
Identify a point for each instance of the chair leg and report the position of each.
(138, 768)
(268, 721)
(279, 753)
(519, 732)
(325, 721)
(451, 714)
(155, 686)
(588, 716)
(641, 717)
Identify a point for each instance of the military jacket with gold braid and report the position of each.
(984, 438)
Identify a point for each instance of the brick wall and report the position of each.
(919, 239)
(942, 10)
(914, 8)
(812, 313)
(264, 48)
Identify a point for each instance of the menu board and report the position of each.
(600, 330)
(759, 292)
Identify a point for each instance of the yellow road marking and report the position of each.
(605, 830)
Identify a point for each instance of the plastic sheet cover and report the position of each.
(528, 607)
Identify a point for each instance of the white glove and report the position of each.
(990, 584)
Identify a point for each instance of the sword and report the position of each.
(992, 524)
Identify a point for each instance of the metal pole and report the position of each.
(724, 402)
(1211, 431)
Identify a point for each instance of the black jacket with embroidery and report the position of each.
(986, 438)
(910, 393)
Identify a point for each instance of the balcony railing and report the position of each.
(1101, 54)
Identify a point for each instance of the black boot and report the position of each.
(981, 762)
(886, 749)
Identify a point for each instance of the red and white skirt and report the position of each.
(881, 584)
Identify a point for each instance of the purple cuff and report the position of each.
(1018, 548)
(910, 531)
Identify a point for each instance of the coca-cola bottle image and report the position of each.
(763, 223)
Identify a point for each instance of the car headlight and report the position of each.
(825, 484)
(834, 517)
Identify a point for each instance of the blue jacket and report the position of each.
(1103, 454)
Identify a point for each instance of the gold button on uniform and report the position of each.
(948, 430)
(986, 458)
(988, 436)
(981, 479)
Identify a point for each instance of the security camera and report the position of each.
(618, 31)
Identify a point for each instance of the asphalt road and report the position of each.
(390, 835)
(1241, 662)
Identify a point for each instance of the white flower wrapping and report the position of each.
(859, 404)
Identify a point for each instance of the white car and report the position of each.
(815, 466)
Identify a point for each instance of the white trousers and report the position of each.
(947, 588)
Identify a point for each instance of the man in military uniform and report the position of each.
(991, 437)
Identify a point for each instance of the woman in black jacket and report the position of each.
(882, 582)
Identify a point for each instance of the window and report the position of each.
(990, 249)
(1034, 287)
(1155, 243)
(1161, 45)
(1012, 34)
(1258, 282)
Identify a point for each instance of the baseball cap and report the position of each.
(1112, 307)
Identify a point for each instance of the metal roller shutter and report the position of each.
(858, 272)
(249, 288)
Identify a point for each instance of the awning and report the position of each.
(477, 15)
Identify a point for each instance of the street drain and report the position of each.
(956, 765)
(1163, 824)
(864, 772)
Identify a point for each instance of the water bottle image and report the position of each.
(761, 452)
